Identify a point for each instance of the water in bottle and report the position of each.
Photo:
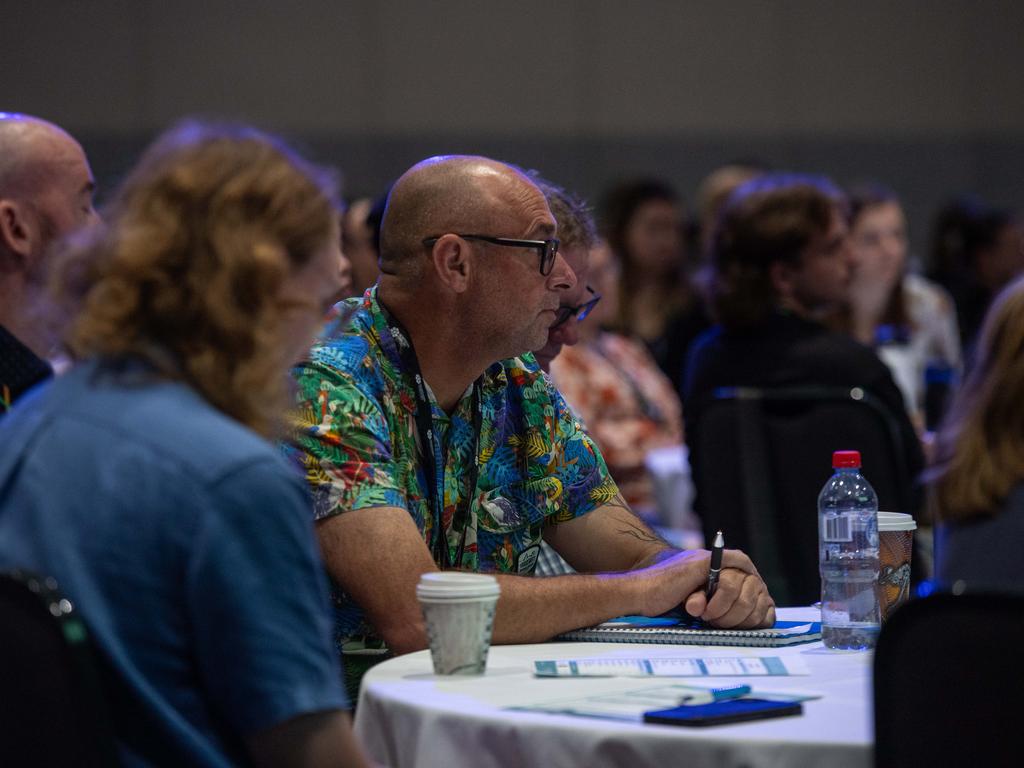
(848, 556)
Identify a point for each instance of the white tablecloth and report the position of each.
(407, 716)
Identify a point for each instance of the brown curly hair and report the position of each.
(576, 226)
(186, 273)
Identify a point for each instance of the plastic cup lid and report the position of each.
(896, 521)
(454, 585)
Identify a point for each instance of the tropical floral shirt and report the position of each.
(357, 442)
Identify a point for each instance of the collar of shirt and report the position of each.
(20, 369)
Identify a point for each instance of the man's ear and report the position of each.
(450, 260)
(17, 234)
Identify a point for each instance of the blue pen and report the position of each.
(712, 695)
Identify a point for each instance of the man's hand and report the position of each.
(741, 600)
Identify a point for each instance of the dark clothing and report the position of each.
(787, 351)
(20, 369)
(984, 553)
(671, 349)
(972, 302)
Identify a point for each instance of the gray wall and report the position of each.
(924, 95)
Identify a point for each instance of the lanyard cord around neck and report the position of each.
(649, 408)
(430, 446)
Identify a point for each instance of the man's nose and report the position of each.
(562, 278)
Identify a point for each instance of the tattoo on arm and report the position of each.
(631, 524)
(637, 531)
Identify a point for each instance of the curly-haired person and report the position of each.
(145, 480)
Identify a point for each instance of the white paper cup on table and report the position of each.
(895, 545)
(459, 612)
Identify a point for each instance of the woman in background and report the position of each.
(977, 483)
(143, 480)
(643, 222)
(908, 320)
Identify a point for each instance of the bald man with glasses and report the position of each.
(432, 440)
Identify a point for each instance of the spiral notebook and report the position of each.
(685, 631)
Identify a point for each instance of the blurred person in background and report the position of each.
(712, 194)
(577, 234)
(782, 263)
(611, 381)
(976, 486)
(643, 223)
(46, 192)
(144, 480)
(360, 238)
(909, 320)
(976, 250)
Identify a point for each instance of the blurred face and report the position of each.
(307, 294)
(654, 237)
(878, 245)
(566, 333)
(822, 278)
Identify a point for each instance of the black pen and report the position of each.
(716, 565)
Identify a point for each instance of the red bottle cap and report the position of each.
(846, 460)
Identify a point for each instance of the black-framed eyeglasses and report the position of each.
(580, 312)
(546, 249)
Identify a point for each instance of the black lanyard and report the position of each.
(430, 446)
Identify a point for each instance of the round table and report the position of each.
(407, 716)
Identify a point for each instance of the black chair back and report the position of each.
(762, 459)
(52, 709)
(945, 681)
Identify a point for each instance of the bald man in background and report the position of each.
(46, 191)
(431, 440)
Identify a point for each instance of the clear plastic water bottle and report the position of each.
(848, 556)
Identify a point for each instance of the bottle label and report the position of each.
(838, 529)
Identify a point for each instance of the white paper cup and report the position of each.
(459, 612)
(895, 545)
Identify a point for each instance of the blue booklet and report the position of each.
(674, 630)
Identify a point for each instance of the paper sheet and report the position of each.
(683, 666)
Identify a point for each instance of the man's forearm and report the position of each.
(608, 539)
(535, 609)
